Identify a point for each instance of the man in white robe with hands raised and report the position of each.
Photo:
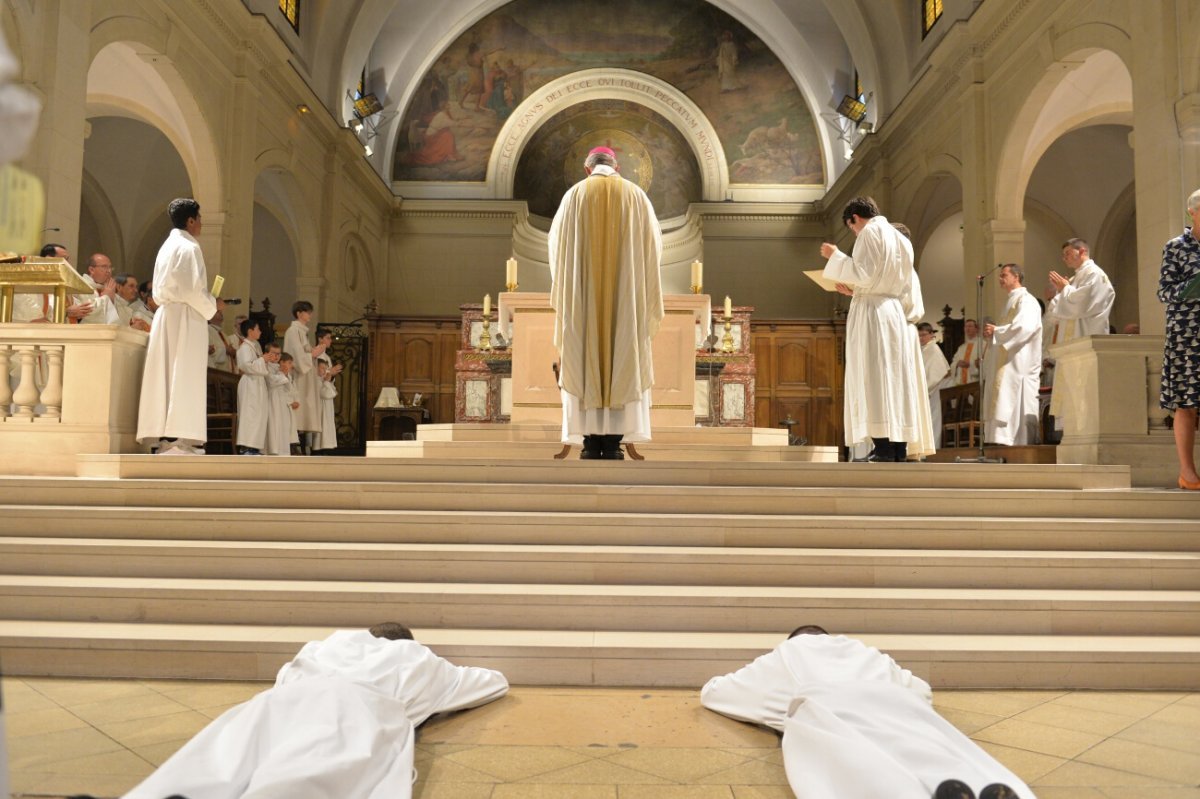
(1014, 364)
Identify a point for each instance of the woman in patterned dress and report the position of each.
(1181, 359)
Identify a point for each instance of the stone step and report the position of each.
(600, 529)
(485, 498)
(600, 607)
(588, 657)
(599, 565)
(708, 472)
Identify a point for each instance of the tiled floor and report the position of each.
(103, 736)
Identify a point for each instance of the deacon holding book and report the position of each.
(605, 248)
(1179, 288)
(172, 409)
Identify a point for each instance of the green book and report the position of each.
(1191, 290)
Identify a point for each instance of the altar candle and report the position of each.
(728, 307)
(487, 304)
(697, 273)
(510, 272)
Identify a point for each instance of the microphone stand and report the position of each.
(982, 457)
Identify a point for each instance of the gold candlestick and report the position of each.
(697, 289)
(727, 339)
(485, 336)
(512, 286)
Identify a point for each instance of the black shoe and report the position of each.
(997, 790)
(899, 451)
(612, 455)
(954, 789)
(592, 448)
(877, 456)
(610, 448)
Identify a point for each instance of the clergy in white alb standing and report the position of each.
(964, 366)
(1081, 305)
(175, 380)
(605, 248)
(1014, 364)
(937, 375)
(854, 723)
(885, 395)
(339, 722)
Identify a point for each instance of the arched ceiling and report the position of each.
(820, 42)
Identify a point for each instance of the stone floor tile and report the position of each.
(596, 772)
(201, 695)
(993, 703)
(160, 729)
(35, 722)
(112, 711)
(1126, 703)
(68, 692)
(18, 697)
(527, 791)
(1151, 793)
(513, 763)
(158, 753)
(1027, 765)
(753, 772)
(969, 722)
(452, 790)
(1076, 718)
(679, 765)
(104, 786)
(762, 792)
(1181, 713)
(119, 763)
(674, 792)
(1164, 734)
(1041, 738)
(38, 752)
(1081, 775)
(1181, 768)
(1069, 793)
(439, 769)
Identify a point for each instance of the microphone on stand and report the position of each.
(988, 272)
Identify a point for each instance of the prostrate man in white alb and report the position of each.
(964, 365)
(885, 392)
(937, 375)
(605, 248)
(1014, 364)
(172, 409)
(339, 722)
(856, 724)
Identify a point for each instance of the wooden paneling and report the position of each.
(415, 354)
(800, 368)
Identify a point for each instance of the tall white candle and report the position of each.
(487, 304)
(697, 273)
(728, 307)
(510, 272)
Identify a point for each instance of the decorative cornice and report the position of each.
(415, 214)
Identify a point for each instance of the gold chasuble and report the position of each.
(605, 247)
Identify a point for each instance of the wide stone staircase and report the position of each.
(601, 573)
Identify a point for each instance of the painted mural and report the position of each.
(766, 129)
(650, 150)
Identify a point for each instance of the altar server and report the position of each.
(295, 343)
(281, 405)
(937, 375)
(339, 722)
(605, 247)
(1014, 364)
(327, 372)
(854, 723)
(252, 390)
(174, 384)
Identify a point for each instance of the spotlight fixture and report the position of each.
(865, 128)
(848, 153)
(852, 109)
(357, 125)
(368, 105)
(303, 108)
(368, 151)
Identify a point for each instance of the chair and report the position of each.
(960, 416)
(222, 412)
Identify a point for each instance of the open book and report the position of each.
(818, 276)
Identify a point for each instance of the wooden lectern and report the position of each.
(527, 320)
(36, 276)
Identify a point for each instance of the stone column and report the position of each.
(235, 230)
(1004, 243)
(59, 79)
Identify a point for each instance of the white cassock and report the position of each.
(104, 310)
(316, 739)
(1084, 304)
(885, 395)
(937, 376)
(295, 343)
(281, 426)
(605, 247)
(967, 351)
(127, 310)
(252, 396)
(327, 439)
(219, 358)
(175, 380)
(1014, 365)
(855, 724)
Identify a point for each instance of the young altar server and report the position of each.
(339, 721)
(855, 723)
(282, 402)
(327, 437)
(252, 391)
